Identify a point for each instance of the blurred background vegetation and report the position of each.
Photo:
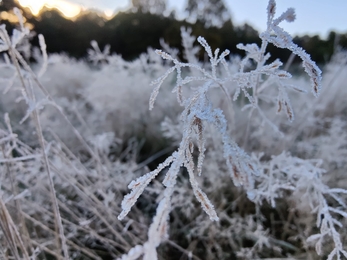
(130, 33)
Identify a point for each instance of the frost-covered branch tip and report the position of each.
(281, 39)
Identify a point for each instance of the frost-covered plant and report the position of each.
(331, 144)
(199, 112)
(82, 184)
(10, 44)
(303, 178)
(96, 55)
(108, 101)
(254, 79)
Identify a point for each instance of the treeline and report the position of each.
(131, 33)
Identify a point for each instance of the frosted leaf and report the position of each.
(164, 55)
(170, 177)
(199, 194)
(216, 52)
(252, 50)
(288, 16)
(271, 10)
(337, 190)
(315, 75)
(235, 172)
(237, 93)
(289, 110)
(283, 74)
(223, 55)
(158, 82)
(273, 65)
(205, 203)
(44, 55)
(314, 237)
(137, 186)
(282, 39)
(207, 47)
(18, 13)
(342, 213)
(337, 223)
(172, 51)
(251, 47)
(201, 143)
(17, 36)
(202, 198)
(279, 105)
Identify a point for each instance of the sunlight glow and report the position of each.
(68, 9)
(109, 13)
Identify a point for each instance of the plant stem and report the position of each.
(30, 94)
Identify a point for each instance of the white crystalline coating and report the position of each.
(190, 51)
(200, 195)
(18, 13)
(17, 36)
(251, 195)
(170, 177)
(304, 179)
(205, 203)
(262, 180)
(133, 253)
(158, 82)
(43, 48)
(96, 55)
(288, 16)
(3, 43)
(223, 55)
(158, 230)
(207, 47)
(282, 39)
(137, 186)
(271, 10)
(164, 55)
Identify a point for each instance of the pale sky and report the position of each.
(313, 16)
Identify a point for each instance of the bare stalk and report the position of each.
(35, 116)
(11, 233)
(17, 204)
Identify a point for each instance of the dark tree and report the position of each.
(151, 6)
(209, 12)
(7, 5)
